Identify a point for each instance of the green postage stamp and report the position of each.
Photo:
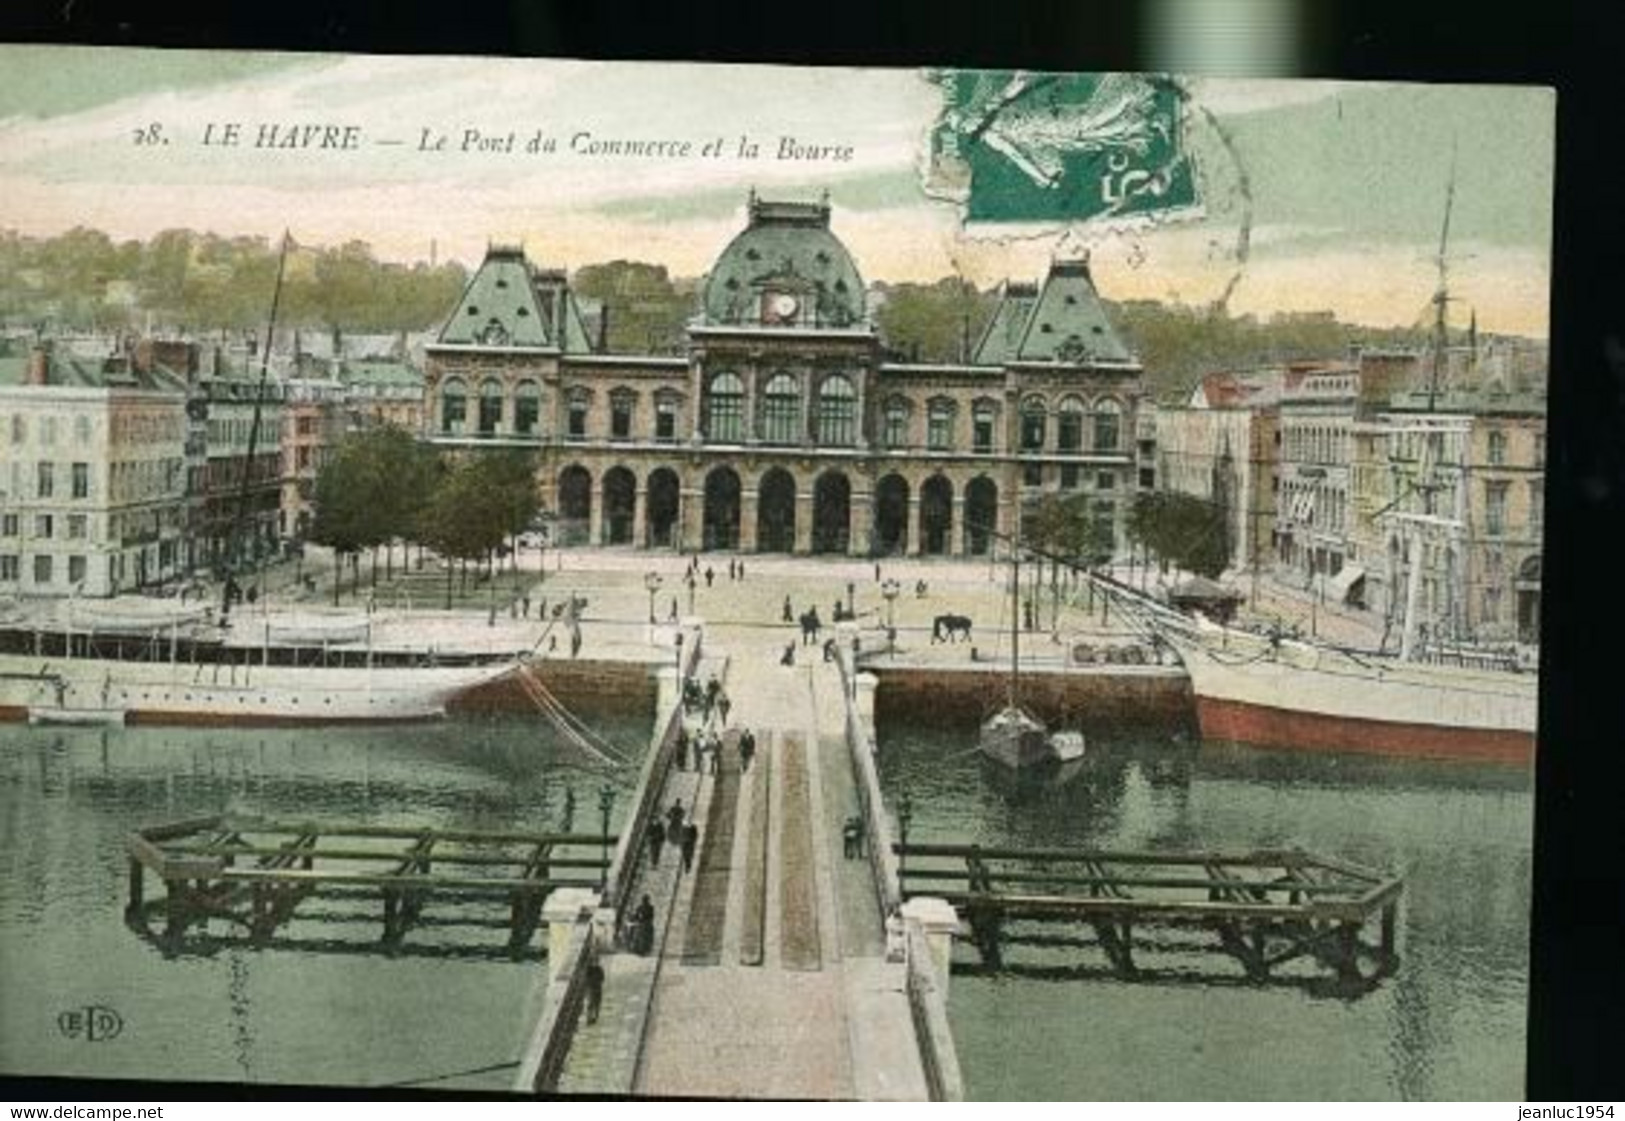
(1018, 146)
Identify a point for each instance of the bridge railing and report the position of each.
(860, 741)
(651, 781)
(549, 1046)
(928, 1006)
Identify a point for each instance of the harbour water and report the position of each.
(328, 1007)
(1449, 1024)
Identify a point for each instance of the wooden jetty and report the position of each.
(255, 873)
(1265, 908)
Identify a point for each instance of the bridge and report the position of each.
(773, 970)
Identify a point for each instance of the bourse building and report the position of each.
(784, 428)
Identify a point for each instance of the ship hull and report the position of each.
(1310, 698)
(159, 693)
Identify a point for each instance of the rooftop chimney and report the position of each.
(39, 364)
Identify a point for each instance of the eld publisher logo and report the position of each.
(94, 1023)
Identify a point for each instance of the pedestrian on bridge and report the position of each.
(747, 749)
(595, 987)
(656, 837)
(674, 821)
(714, 745)
(789, 613)
(643, 927)
(723, 704)
(691, 841)
(682, 748)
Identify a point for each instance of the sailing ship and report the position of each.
(1275, 691)
(1012, 735)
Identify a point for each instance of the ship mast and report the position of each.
(1015, 619)
(1432, 436)
(254, 428)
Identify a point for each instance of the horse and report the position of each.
(950, 628)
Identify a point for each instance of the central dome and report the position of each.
(785, 269)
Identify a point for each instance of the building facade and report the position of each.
(92, 455)
(782, 428)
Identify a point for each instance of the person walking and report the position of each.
(595, 987)
(710, 575)
(723, 705)
(674, 821)
(741, 570)
(716, 753)
(643, 927)
(682, 749)
(747, 749)
(691, 841)
(788, 658)
(656, 838)
(789, 614)
(671, 616)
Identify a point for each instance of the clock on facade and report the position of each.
(781, 307)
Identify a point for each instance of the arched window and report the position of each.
(1108, 425)
(1069, 426)
(527, 408)
(453, 406)
(984, 422)
(490, 406)
(621, 405)
(837, 412)
(781, 410)
(939, 427)
(1034, 420)
(895, 434)
(725, 409)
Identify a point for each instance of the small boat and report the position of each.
(1012, 735)
(95, 717)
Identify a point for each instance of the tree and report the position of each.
(1181, 529)
(940, 322)
(465, 519)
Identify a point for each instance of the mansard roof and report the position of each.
(1061, 321)
(510, 304)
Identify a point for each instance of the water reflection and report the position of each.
(1449, 1024)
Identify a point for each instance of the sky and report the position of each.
(1316, 195)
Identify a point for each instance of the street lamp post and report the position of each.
(851, 603)
(905, 814)
(889, 590)
(679, 659)
(652, 581)
(606, 804)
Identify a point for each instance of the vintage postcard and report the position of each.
(669, 579)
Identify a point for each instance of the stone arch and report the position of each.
(620, 499)
(891, 515)
(981, 515)
(776, 512)
(936, 515)
(721, 528)
(661, 507)
(575, 505)
(1069, 424)
(832, 513)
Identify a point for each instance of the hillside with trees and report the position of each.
(199, 282)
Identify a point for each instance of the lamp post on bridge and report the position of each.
(905, 814)
(652, 581)
(606, 804)
(679, 661)
(890, 589)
